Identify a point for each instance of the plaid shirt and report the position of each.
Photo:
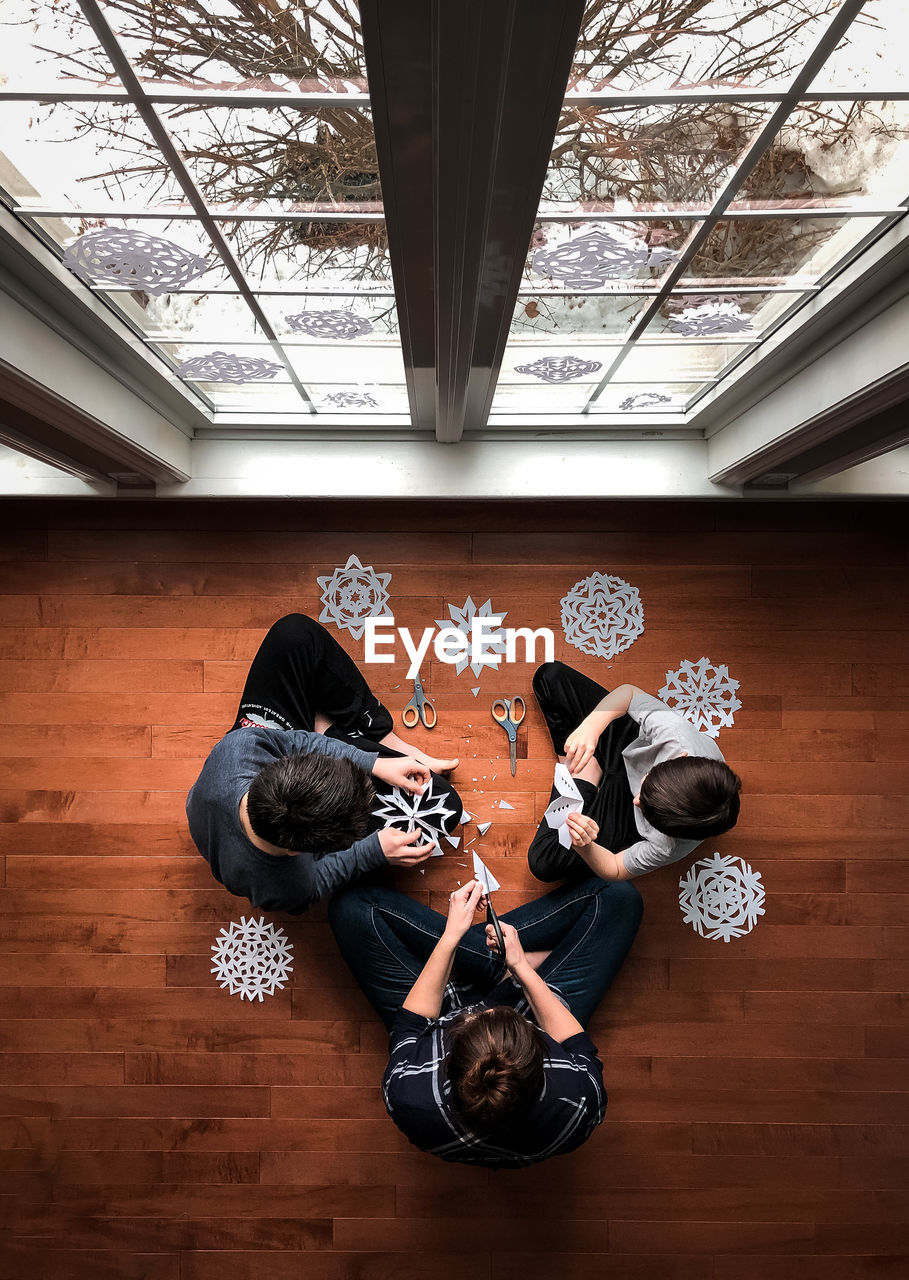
(418, 1094)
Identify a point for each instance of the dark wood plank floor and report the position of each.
(155, 1128)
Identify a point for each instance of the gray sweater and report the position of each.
(274, 883)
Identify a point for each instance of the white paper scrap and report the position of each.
(475, 691)
(466, 817)
(503, 804)
(484, 875)
(454, 841)
(483, 827)
(568, 801)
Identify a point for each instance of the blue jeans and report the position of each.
(588, 927)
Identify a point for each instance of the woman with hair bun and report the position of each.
(486, 1068)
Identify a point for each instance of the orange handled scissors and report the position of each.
(505, 712)
(419, 709)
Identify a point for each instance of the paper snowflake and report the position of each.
(353, 594)
(589, 261)
(350, 400)
(722, 897)
(644, 400)
(252, 958)
(602, 615)
(461, 619)
(223, 366)
(559, 368)
(121, 256)
(329, 324)
(703, 693)
(407, 811)
(711, 316)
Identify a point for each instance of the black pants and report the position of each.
(300, 669)
(566, 697)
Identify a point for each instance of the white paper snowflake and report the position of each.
(460, 620)
(225, 366)
(112, 256)
(602, 615)
(590, 260)
(406, 811)
(353, 594)
(252, 958)
(704, 693)
(710, 316)
(722, 897)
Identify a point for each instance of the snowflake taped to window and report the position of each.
(722, 897)
(589, 261)
(329, 324)
(559, 368)
(461, 620)
(709, 316)
(350, 400)
(407, 811)
(252, 958)
(222, 366)
(117, 256)
(602, 615)
(644, 400)
(353, 594)
(703, 693)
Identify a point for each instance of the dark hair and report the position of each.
(310, 803)
(495, 1066)
(691, 797)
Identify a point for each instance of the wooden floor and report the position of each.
(156, 1128)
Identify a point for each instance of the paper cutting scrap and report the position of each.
(484, 875)
(483, 827)
(503, 804)
(567, 801)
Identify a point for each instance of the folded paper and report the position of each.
(484, 875)
(568, 801)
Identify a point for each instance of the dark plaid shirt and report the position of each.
(418, 1094)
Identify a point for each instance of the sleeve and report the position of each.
(301, 741)
(643, 856)
(405, 1048)
(581, 1054)
(663, 727)
(320, 877)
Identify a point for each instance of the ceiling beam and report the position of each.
(465, 100)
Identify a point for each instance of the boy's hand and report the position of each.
(514, 952)
(462, 904)
(580, 745)
(400, 847)
(403, 771)
(583, 829)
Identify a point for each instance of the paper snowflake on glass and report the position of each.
(722, 897)
(644, 399)
(222, 366)
(350, 400)
(591, 260)
(329, 324)
(406, 811)
(117, 256)
(703, 693)
(559, 368)
(602, 615)
(462, 619)
(712, 316)
(252, 958)
(353, 594)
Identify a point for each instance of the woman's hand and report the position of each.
(583, 829)
(403, 771)
(581, 744)
(462, 905)
(514, 952)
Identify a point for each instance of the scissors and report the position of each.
(505, 712)
(419, 708)
(493, 919)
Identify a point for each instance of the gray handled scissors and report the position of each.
(505, 712)
(419, 708)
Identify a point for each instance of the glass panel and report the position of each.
(83, 155)
(646, 397)
(350, 321)
(773, 251)
(215, 318)
(629, 45)
(337, 254)
(721, 316)
(647, 158)
(590, 256)
(609, 315)
(278, 157)
(652, 361)
(51, 46)
(873, 54)
(335, 365)
(359, 398)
